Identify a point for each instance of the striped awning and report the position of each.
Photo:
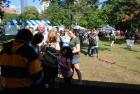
(28, 22)
(13, 22)
(35, 23)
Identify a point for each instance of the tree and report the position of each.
(55, 13)
(123, 14)
(30, 13)
(8, 17)
(75, 12)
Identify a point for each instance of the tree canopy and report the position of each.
(121, 14)
(30, 12)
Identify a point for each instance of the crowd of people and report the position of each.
(35, 57)
(26, 60)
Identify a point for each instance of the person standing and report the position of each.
(94, 49)
(91, 42)
(42, 30)
(20, 67)
(112, 38)
(65, 38)
(51, 66)
(65, 64)
(75, 45)
(37, 38)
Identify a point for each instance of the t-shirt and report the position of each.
(65, 40)
(73, 43)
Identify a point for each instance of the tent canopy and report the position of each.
(11, 26)
(107, 28)
(35, 23)
(78, 27)
(13, 22)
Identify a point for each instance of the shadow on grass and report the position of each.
(105, 48)
(88, 87)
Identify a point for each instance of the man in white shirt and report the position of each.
(42, 30)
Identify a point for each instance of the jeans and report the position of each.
(94, 51)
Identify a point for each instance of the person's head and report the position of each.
(24, 35)
(97, 32)
(37, 38)
(66, 31)
(52, 36)
(62, 33)
(66, 52)
(72, 33)
(41, 27)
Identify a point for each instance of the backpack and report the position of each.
(50, 57)
(92, 40)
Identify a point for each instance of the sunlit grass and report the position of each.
(123, 56)
(124, 70)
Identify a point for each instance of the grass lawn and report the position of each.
(124, 70)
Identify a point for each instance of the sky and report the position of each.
(17, 3)
(36, 3)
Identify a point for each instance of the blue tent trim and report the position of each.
(13, 22)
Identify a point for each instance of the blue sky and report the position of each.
(30, 3)
(17, 3)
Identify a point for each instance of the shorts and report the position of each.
(75, 59)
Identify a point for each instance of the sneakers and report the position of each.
(87, 55)
(91, 55)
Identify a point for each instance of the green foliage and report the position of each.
(124, 14)
(30, 12)
(8, 17)
(84, 13)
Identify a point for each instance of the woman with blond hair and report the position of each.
(53, 40)
(50, 57)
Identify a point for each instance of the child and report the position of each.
(66, 64)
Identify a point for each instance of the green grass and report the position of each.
(124, 70)
(124, 57)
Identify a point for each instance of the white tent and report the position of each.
(61, 28)
(10, 28)
(78, 27)
(107, 28)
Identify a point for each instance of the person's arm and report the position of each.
(76, 49)
(57, 46)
